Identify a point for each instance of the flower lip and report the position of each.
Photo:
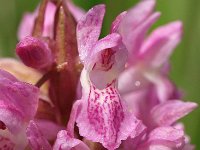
(103, 117)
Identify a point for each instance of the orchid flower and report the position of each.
(149, 56)
(100, 114)
(162, 133)
(144, 83)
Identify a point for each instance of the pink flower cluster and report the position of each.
(80, 92)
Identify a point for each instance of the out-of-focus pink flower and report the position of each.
(187, 145)
(164, 138)
(144, 84)
(147, 56)
(146, 76)
(161, 131)
(27, 23)
(161, 116)
(18, 105)
(76, 11)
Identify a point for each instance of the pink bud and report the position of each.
(34, 53)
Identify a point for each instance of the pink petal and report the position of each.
(65, 142)
(164, 87)
(22, 73)
(49, 20)
(137, 15)
(161, 43)
(106, 63)
(110, 41)
(88, 30)
(136, 37)
(132, 143)
(34, 53)
(132, 80)
(104, 119)
(73, 116)
(46, 126)
(166, 136)
(139, 103)
(26, 25)
(187, 146)
(169, 112)
(76, 11)
(18, 103)
(35, 138)
(4, 74)
(159, 147)
(116, 23)
(135, 25)
(28, 20)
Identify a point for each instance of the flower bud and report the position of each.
(34, 53)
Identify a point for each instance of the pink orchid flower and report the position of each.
(162, 133)
(149, 56)
(146, 73)
(100, 114)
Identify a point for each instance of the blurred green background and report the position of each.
(185, 60)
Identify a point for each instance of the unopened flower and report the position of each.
(34, 53)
